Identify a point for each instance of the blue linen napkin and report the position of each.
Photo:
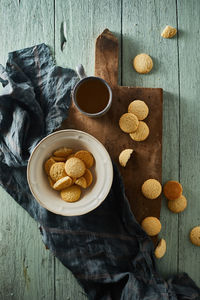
(106, 249)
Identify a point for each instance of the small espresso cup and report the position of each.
(92, 95)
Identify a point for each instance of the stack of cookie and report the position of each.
(69, 172)
(132, 122)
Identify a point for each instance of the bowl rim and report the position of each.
(28, 171)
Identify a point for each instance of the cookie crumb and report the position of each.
(169, 32)
(125, 156)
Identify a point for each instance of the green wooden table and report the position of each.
(27, 270)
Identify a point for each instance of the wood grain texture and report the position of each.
(141, 34)
(26, 268)
(189, 62)
(82, 21)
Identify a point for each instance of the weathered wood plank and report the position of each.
(142, 24)
(83, 21)
(189, 57)
(26, 268)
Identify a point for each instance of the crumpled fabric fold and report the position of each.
(106, 249)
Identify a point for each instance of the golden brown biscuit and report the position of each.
(125, 156)
(160, 249)
(151, 188)
(51, 182)
(128, 122)
(62, 152)
(172, 190)
(57, 171)
(143, 63)
(151, 226)
(195, 236)
(47, 165)
(139, 109)
(70, 156)
(168, 32)
(178, 205)
(71, 194)
(62, 183)
(75, 167)
(141, 133)
(88, 176)
(57, 158)
(86, 157)
(81, 182)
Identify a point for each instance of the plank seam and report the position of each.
(179, 122)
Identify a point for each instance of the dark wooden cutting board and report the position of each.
(146, 161)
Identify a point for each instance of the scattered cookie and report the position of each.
(195, 236)
(57, 158)
(160, 249)
(88, 176)
(125, 156)
(71, 194)
(172, 190)
(143, 63)
(86, 157)
(75, 167)
(151, 188)
(168, 32)
(62, 183)
(151, 226)
(62, 152)
(139, 109)
(47, 165)
(178, 205)
(81, 182)
(141, 133)
(51, 182)
(57, 171)
(128, 122)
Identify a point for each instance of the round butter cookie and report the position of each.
(71, 194)
(151, 189)
(151, 226)
(128, 122)
(86, 157)
(178, 205)
(48, 163)
(143, 63)
(160, 249)
(62, 183)
(88, 176)
(62, 152)
(195, 236)
(172, 190)
(141, 133)
(139, 109)
(57, 158)
(57, 171)
(75, 167)
(125, 156)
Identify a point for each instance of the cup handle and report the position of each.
(80, 71)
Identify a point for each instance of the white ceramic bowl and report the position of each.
(102, 172)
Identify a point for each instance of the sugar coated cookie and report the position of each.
(62, 152)
(195, 236)
(143, 63)
(57, 158)
(62, 183)
(151, 188)
(57, 171)
(88, 176)
(151, 226)
(81, 181)
(139, 109)
(172, 190)
(128, 122)
(48, 163)
(178, 205)
(75, 167)
(141, 133)
(160, 249)
(168, 32)
(86, 157)
(125, 156)
(71, 194)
